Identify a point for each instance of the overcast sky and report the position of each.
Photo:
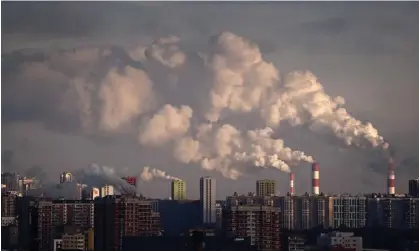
(366, 52)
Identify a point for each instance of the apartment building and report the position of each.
(261, 223)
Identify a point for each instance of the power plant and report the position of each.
(391, 186)
(316, 179)
(292, 184)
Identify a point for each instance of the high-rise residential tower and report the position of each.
(66, 177)
(414, 187)
(178, 190)
(107, 190)
(265, 187)
(207, 193)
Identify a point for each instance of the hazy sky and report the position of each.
(53, 63)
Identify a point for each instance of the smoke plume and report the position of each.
(149, 174)
(124, 96)
(169, 123)
(100, 175)
(107, 91)
(226, 150)
(243, 82)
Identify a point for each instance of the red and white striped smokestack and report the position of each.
(316, 179)
(391, 184)
(291, 184)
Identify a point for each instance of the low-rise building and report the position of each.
(296, 243)
(340, 241)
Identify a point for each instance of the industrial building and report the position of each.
(132, 180)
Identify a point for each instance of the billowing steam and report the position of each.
(149, 174)
(99, 175)
(226, 150)
(243, 82)
(126, 93)
(169, 123)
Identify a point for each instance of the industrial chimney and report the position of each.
(316, 179)
(291, 184)
(391, 186)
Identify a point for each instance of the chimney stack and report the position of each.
(316, 179)
(291, 184)
(391, 186)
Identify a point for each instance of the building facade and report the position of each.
(8, 204)
(9, 182)
(393, 212)
(414, 187)
(265, 187)
(349, 211)
(260, 223)
(340, 241)
(107, 190)
(178, 190)
(132, 180)
(120, 216)
(78, 213)
(288, 209)
(207, 195)
(66, 177)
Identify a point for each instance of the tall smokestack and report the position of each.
(391, 186)
(291, 184)
(316, 179)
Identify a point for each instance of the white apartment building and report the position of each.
(342, 239)
(107, 190)
(207, 193)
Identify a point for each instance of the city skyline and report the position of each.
(93, 113)
(72, 189)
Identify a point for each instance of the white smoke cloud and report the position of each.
(167, 124)
(243, 81)
(167, 52)
(302, 100)
(124, 96)
(84, 92)
(228, 151)
(112, 98)
(149, 174)
(105, 175)
(240, 76)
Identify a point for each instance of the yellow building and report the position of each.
(178, 190)
(265, 187)
(78, 240)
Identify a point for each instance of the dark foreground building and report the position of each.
(195, 241)
(260, 223)
(117, 217)
(178, 216)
